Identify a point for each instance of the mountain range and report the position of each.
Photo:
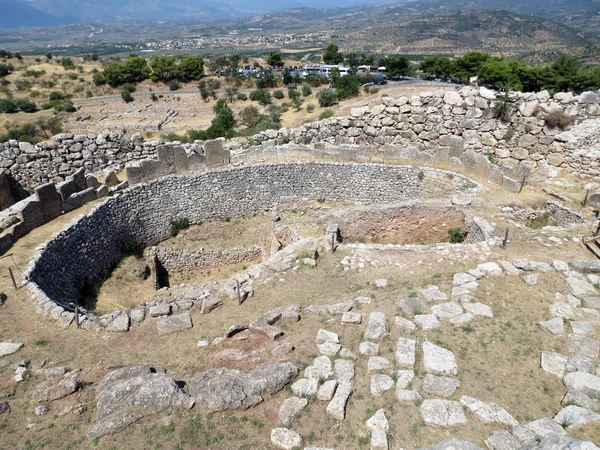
(579, 14)
(40, 13)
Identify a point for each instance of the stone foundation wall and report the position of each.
(454, 123)
(142, 214)
(416, 127)
(175, 259)
(63, 155)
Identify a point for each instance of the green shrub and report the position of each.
(67, 64)
(347, 86)
(126, 96)
(242, 97)
(26, 105)
(262, 96)
(60, 106)
(306, 90)
(7, 106)
(10, 105)
(326, 114)
(179, 224)
(538, 222)
(174, 85)
(33, 73)
(310, 107)
(327, 97)
(456, 235)
(130, 87)
(278, 94)
(23, 85)
(250, 116)
(40, 342)
(293, 94)
(56, 95)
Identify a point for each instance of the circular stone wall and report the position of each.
(141, 215)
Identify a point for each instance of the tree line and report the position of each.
(165, 69)
(564, 75)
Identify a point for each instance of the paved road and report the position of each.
(406, 82)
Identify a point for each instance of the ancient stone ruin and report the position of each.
(408, 276)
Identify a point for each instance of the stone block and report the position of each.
(50, 200)
(79, 199)
(196, 162)
(510, 184)
(111, 178)
(102, 191)
(180, 160)
(79, 178)
(165, 155)
(482, 168)
(6, 198)
(152, 169)
(134, 173)
(91, 182)
(66, 189)
(6, 241)
(32, 215)
(214, 153)
(442, 156)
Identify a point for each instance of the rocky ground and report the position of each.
(408, 346)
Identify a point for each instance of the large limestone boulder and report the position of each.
(585, 382)
(128, 394)
(453, 98)
(222, 389)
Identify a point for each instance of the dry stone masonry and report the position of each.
(457, 129)
(141, 215)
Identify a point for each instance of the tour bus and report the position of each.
(323, 70)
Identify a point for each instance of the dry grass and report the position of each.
(558, 119)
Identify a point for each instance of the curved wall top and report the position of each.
(142, 214)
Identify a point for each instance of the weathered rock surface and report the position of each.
(442, 413)
(552, 441)
(489, 412)
(50, 391)
(573, 416)
(381, 383)
(455, 444)
(440, 386)
(427, 321)
(531, 432)
(376, 327)
(327, 390)
(337, 406)
(286, 439)
(405, 352)
(222, 389)
(321, 369)
(173, 324)
(305, 387)
(438, 360)
(502, 440)
(8, 348)
(126, 395)
(553, 363)
(290, 409)
(554, 326)
(585, 382)
(378, 421)
(580, 288)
